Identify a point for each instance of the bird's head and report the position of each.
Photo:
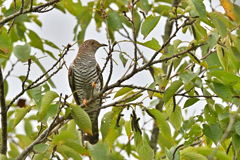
(91, 46)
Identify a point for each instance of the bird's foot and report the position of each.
(85, 102)
(94, 85)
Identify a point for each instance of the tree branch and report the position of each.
(38, 8)
(3, 116)
(32, 84)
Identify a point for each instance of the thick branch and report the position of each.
(43, 137)
(3, 115)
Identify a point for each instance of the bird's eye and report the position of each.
(92, 42)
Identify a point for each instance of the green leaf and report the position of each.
(237, 127)
(68, 152)
(137, 21)
(20, 114)
(142, 147)
(62, 137)
(3, 157)
(115, 156)
(106, 123)
(236, 142)
(228, 78)
(223, 57)
(199, 7)
(51, 44)
(123, 59)
(98, 151)
(212, 39)
(190, 102)
(153, 44)
(171, 151)
(36, 95)
(128, 129)
(130, 94)
(73, 7)
(144, 5)
(171, 90)
(122, 91)
(161, 123)
(201, 31)
(52, 110)
(149, 24)
(28, 128)
(35, 40)
(220, 26)
(39, 156)
(187, 76)
(42, 147)
(114, 20)
(5, 88)
(145, 151)
(190, 153)
(50, 54)
(46, 103)
(222, 91)
(24, 141)
(22, 52)
(14, 150)
(35, 19)
(220, 154)
(174, 117)
(81, 118)
(4, 42)
(213, 132)
(77, 147)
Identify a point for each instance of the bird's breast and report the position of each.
(83, 79)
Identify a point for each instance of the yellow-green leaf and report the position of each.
(22, 52)
(20, 114)
(149, 24)
(46, 103)
(4, 42)
(81, 118)
(68, 152)
(106, 123)
(161, 123)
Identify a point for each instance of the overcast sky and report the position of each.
(58, 28)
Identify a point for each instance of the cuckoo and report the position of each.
(86, 80)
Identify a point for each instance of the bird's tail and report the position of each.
(93, 139)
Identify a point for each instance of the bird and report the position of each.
(85, 80)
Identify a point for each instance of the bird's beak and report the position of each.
(102, 45)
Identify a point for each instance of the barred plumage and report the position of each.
(83, 73)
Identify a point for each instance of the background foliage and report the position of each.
(203, 70)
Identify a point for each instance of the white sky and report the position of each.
(58, 28)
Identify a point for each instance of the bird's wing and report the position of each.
(100, 77)
(71, 83)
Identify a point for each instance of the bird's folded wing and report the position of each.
(71, 83)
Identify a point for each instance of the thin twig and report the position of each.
(31, 9)
(32, 84)
(28, 71)
(114, 103)
(15, 10)
(9, 72)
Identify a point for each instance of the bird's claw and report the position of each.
(85, 102)
(94, 85)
